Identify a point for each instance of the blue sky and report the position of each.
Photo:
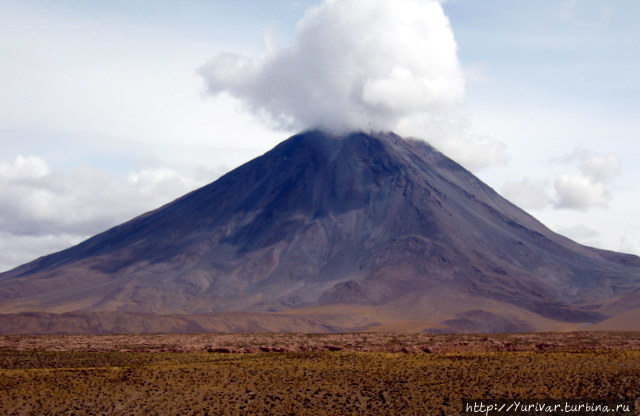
(104, 115)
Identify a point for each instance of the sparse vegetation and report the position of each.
(302, 383)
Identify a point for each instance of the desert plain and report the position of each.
(309, 374)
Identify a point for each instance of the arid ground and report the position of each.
(296, 374)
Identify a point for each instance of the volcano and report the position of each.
(328, 233)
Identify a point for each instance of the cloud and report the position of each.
(590, 187)
(38, 201)
(24, 168)
(452, 135)
(601, 169)
(630, 243)
(579, 232)
(159, 181)
(44, 210)
(18, 249)
(354, 64)
(577, 191)
(526, 194)
(582, 234)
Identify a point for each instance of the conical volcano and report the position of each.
(328, 233)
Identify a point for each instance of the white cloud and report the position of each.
(473, 151)
(588, 188)
(38, 201)
(582, 234)
(630, 243)
(354, 64)
(600, 168)
(363, 65)
(452, 136)
(19, 249)
(24, 167)
(160, 181)
(44, 210)
(579, 232)
(576, 191)
(526, 194)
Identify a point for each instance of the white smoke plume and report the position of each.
(353, 65)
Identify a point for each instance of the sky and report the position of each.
(110, 108)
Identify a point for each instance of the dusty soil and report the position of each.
(303, 384)
(356, 342)
(308, 374)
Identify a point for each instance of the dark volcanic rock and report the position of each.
(360, 231)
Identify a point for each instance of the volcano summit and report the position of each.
(326, 233)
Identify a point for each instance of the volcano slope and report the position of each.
(327, 233)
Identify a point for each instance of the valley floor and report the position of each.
(347, 374)
(300, 342)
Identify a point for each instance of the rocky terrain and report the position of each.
(357, 342)
(347, 374)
